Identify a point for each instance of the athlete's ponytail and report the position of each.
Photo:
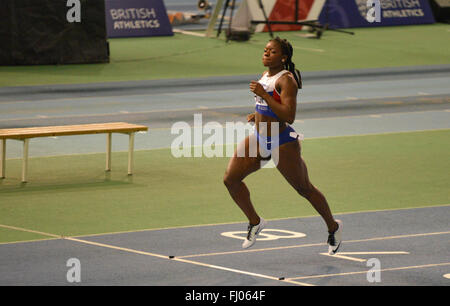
(287, 50)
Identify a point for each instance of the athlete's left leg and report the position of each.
(292, 166)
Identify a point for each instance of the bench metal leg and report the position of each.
(3, 159)
(25, 160)
(108, 151)
(130, 154)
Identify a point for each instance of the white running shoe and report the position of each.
(335, 239)
(253, 231)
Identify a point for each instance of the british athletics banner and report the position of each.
(370, 13)
(132, 18)
(336, 13)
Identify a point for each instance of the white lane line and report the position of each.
(233, 223)
(115, 247)
(241, 272)
(338, 255)
(216, 267)
(29, 231)
(314, 244)
(375, 253)
(364, 272)
(108, 246)
(342, 255)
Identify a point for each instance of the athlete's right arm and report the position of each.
(251, 117)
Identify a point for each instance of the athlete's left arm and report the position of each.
(287, 108)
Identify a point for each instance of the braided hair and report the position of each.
(287, 50)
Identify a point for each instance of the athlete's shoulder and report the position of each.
(287, 77)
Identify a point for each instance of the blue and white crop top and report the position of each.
(268, 83)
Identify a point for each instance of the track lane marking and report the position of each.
(216, 267)
(226, 223)
(315, 244)
(342, 255)
(108, 246)
(338, 255)
(240, 271)
(277, 219)
(30, 231)
(128, 250)
(364, 272)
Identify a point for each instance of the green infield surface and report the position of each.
(72, 195)
(185, 56)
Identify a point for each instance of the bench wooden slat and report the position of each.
(67, 130)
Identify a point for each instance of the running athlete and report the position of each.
(276, 102)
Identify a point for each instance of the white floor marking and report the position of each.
(342, 255)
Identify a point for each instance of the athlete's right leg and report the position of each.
(292, 166)
(238, 168)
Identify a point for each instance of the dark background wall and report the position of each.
(36, 32)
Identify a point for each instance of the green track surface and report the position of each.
(72, 195)
(185, 56)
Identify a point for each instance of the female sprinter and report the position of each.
(276, 101)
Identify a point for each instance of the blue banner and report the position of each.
(132, 18)
(372, 13)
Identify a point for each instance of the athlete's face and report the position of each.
(273, 56)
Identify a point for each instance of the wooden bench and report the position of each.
(25, 134)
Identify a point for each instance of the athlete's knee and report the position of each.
(229, 181)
